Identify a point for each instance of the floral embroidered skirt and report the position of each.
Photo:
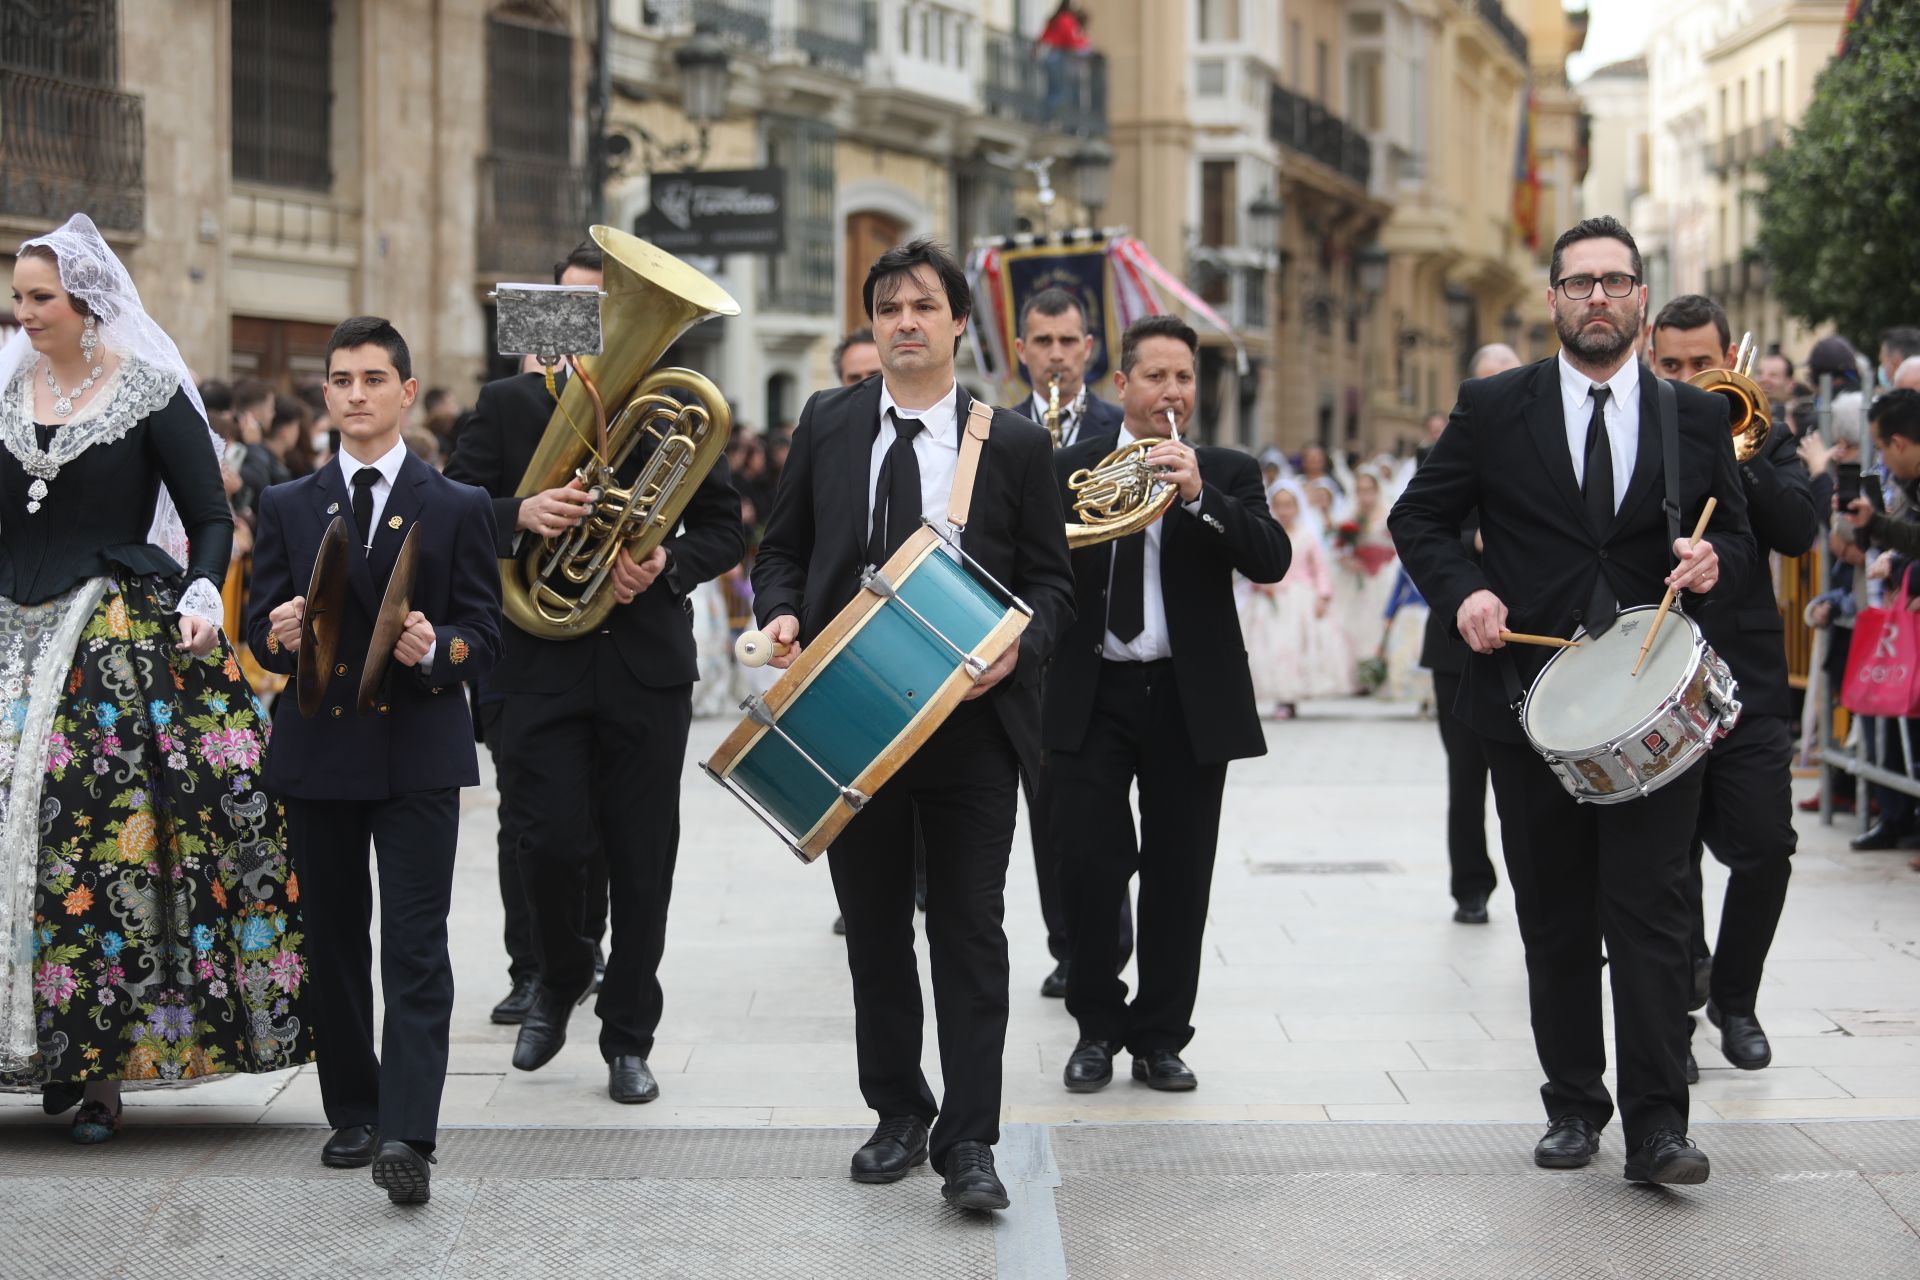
(148, 907)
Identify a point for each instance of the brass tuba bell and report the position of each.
(558, 587)
(1749, 412)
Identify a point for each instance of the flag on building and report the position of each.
(1526, 180)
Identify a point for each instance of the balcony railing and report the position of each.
(1309, 128)
(1045, 88)
(532, 210)
(1505, 27)
(744, 24)
(831, 35)
(66, 146)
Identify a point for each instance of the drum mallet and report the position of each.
(1666, 601)
(756, 648)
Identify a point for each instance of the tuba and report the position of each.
(614, 415)
(1749, 411)
(1121, 495)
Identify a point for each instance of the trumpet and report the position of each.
(1124, 494)
(1750, 413)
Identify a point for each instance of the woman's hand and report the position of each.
(197, 635)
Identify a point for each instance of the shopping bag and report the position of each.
(1883, 661)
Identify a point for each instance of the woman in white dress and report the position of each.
(1294, 644)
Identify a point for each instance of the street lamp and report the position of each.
(1459, 309)
(1263, 221)
(1372, 271)
(1092, 175)
(705, 76)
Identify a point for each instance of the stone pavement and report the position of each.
(1336, 989)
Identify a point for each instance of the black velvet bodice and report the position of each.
(99, 507)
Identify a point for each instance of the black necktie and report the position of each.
(1127, 604)
(363, 481)
(1598, 491)
(896, 498)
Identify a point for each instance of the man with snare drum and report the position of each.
(1565, 460)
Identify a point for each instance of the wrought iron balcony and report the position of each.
(1309, 128)
(831, 35)
(66, 146)
(1508, 31)
(532, 211)
(1045, 88)
(744, 24)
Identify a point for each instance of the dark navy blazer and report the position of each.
(420, 738)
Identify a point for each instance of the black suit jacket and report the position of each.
(421, 738)
(1505, 452)
(1198, 557)
(1102, 418)
(815, 542)
(654, 634)
(1746, 629)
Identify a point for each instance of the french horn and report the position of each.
(1123, 494)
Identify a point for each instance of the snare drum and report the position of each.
(1611, 736)
(864, 696)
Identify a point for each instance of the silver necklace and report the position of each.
(63, 400)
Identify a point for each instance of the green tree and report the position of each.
(1840, 211)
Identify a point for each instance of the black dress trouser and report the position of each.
(605, 757)
(1583, 875)
(1138, 731)
(1472, 869)
(963, 782)
(523, 954)
(413, 836)
(1746, 818)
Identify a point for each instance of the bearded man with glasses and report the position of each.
(1563, 460)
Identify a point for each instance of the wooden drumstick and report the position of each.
(1666, 601)
(1551, 642)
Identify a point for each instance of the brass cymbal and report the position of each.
(320, 629)
(391, 620)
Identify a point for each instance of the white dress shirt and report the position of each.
(936, 449)
(388, 465)
(1152, 643)
(1070, 415)
(1622, 416)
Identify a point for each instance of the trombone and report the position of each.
(1750, 413)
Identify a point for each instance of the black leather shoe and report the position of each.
(898, 1144)
(1741, 1039)
(1472, 909)
(58, 1099)
(512, 1011)
(349, 1148)
(1692, 1070)
(1880, 835)
(1702, 981)
(1090, 1069)
(840, 926)
(1668, 1158)
(1569, 1144)
(1054, 987)
(630, 1079)
(971, 1182)
(1162, 1069)
(544, 1030)
(406, 1175)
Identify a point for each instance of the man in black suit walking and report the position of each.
(868, 462)
(511, 415)
(391, 776)
(592, 736)
(1054, 343)
(1746, 807)
(1151, 684)
(1564, 460)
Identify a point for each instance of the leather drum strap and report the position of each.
(960, 502)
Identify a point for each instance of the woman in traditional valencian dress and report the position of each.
(147, 921)
(1363, 577)
(1295, 646)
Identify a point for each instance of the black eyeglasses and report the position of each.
(1618, 284)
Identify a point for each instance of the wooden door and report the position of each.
(868, 236)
